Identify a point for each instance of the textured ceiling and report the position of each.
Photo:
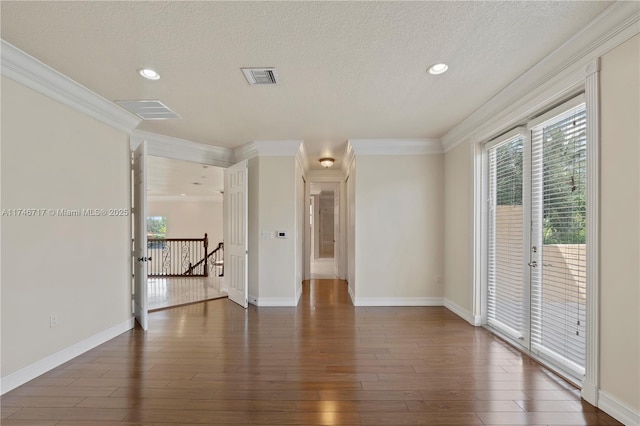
(166, 177)
(349, 70)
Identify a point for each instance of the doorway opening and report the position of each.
(178, 233)
(324, 230)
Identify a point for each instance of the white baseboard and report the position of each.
(298, 293)
(617, 409)
(276, 301)
(397, 301)
(589, 392)
(38, 368)
(474, 320)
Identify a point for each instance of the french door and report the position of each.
(536, 236)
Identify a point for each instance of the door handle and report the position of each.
(144, 259)
(533, 264)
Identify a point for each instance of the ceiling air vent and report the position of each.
(148, 110)
(262, 76)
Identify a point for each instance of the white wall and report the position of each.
(277, 212)
(300, 216)
(620, 224)
(254, 228)
(190, 217)
(78, 268)
(458, 241)
(351, 229)
(399, 234)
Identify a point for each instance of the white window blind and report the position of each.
(505, 284)
(558, 282)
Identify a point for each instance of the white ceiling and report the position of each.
(172, 178)
(349, 70)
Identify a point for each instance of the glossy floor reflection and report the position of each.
(322, 363)
(167, 292)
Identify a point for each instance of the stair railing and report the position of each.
(174, 257)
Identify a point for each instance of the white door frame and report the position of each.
(178, 149)
(583, 79)
(339, 247)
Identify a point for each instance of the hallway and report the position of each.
(322, 363)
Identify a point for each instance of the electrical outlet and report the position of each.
(53, 320)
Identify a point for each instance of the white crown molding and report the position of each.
(275, 148)
(245, 152)
(182, 149)
(618, 410)
(347, 158)
(30, 72)
(395, 146)
(179, 198)
(52, 361)
(303, 159)
(398, 301)
(554, 76)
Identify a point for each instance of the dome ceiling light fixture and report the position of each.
(327, 162)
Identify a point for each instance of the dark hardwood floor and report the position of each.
(322, 363)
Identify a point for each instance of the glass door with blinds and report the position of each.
(507, 282)
(536, 235)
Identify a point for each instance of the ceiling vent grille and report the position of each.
(261, 76)
(149, 109)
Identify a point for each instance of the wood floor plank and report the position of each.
(134, 403)
(324, 362)
(84, 414)
(39, 401)
(92, 423)
(413, 418)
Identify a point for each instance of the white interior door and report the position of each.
(336, 232)
(235, 245)
(140, 236)
(308, 234)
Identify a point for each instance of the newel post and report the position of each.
(206, 245)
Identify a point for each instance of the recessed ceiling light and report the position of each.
(438, 68)
(149, 74)
(183, 195)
